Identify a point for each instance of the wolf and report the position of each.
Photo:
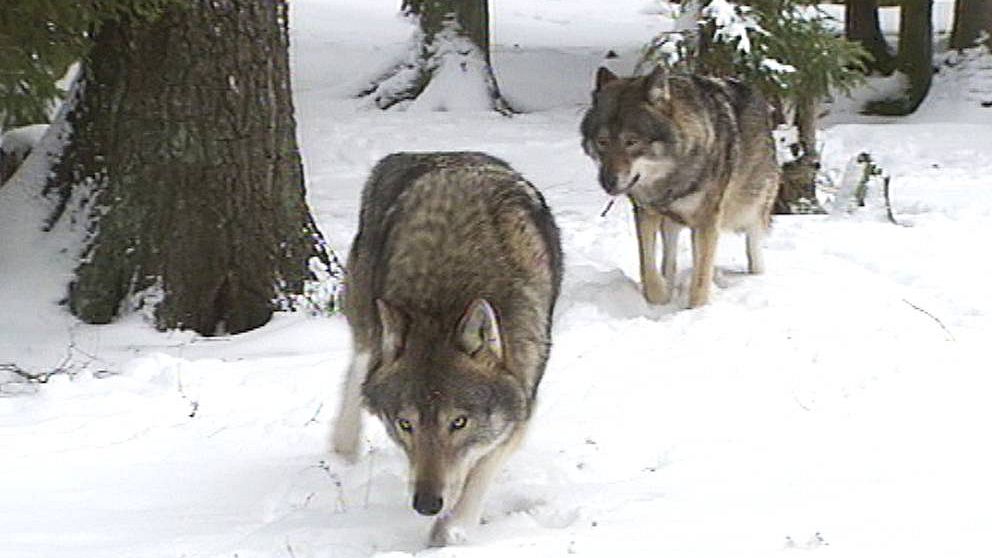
(688, 151)
(452, 282)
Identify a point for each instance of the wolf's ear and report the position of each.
(656, 85)
(604, 76)
(394, 324)
(479, 329)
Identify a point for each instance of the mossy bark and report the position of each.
(183, 153)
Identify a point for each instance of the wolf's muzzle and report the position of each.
(610, 182)
(427, 504)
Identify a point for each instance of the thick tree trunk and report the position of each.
(861, 24)
(453, 38)
(183, 150)
(971, 18)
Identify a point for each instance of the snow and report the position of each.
(775, 66)
(459, 82)
(835, 405)
(23, 139)
(732, 23)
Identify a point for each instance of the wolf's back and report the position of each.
(438, 230)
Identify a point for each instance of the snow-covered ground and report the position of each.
(837, 404)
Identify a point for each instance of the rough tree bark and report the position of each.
(453, 36)
(861, 24)
(183, 153)
(971, 18)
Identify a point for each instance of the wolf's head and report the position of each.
(629, 130)
(445, 396)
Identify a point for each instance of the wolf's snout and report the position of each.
(611, 182)
(608, 180)
(427, 504)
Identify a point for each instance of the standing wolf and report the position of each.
(688, 151)
(452, 282)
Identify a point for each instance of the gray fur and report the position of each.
(687, 150)
(452, 281)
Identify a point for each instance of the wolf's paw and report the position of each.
(657, 291)
(720, 279)
(344, 443)
(443, 534)
(699, 295)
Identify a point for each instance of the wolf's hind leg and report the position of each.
(653, 285)
(467, 512)
(755, 258)
(348, 426)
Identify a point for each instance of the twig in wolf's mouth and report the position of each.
(606, 210)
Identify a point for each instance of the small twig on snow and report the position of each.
(368, 485)
(313, 419)
(342, 504)
(934, 318)
(194, 405)
(888, 201)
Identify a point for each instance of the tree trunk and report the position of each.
(472, 17)
(797, 191)
(453, 41)
(183, 153)
(971, 18)
(861, 24)
(916, 49)
(915, 58)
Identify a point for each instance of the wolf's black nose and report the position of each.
(427, 504)
(608, 180)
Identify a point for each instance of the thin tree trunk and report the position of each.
(472, 16)
(184, 152)
(916, 49)
(971, 18)
(797, 193)
(441, 24)
(915, 58)
(861, 24)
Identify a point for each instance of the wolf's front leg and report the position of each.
(653, 285)
(704, 242)
(669, 248)
(348, 426)
(755, 259)
(452, 527)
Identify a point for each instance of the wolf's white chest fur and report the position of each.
(687, 206)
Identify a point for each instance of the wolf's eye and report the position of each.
(459, 422)
(631, 142)
(602, 142)
(404, 425)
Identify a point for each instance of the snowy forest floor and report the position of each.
(835, 404)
